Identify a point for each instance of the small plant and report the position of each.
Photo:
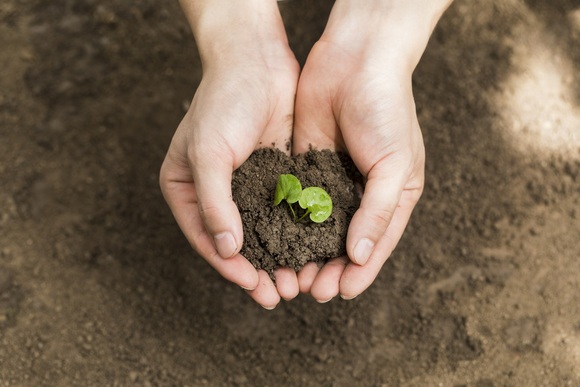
(288, 188)
(317, 203)
(314, 200)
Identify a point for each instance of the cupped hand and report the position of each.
(244, 101)
(363, 104)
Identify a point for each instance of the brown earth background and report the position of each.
(98, 287)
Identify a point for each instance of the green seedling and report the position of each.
(288, 188)
(317, 203)
(314, 200)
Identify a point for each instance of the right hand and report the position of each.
(245, 101)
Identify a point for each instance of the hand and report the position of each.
(355, 94)
(245, 100)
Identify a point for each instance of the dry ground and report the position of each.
(99, 288)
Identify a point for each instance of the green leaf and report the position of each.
(288, 188)
(317, 202)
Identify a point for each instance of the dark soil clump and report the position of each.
(271, 237)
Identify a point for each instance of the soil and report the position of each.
(98, 287)
(272, 237)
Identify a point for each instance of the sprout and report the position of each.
(317, 203)
(314, 200)
(288, 188)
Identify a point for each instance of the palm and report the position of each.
(369, 112)
(234, 111)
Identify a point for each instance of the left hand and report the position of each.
(355, 95)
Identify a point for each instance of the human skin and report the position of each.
(354, 94)
(244, 101)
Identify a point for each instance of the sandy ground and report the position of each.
(99, 288)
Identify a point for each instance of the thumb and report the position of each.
(220, 215)
(380, 199)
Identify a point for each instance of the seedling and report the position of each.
(314, 200)
(317, 203)
(289, 189)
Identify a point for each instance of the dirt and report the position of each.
(272, 237)
(98, 287)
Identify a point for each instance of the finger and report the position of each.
(278, 133)
(380, 198)
(179, 192)
(286, 283)
(314, 122)
(265, 293)
(326, 284)
(356, 278)
(236, 269)
(219, 214)
(306, 276)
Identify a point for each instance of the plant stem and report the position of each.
(303, 216)
(293, 213)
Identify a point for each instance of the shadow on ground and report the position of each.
(110, 292)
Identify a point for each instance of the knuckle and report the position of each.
(208, 210)
(381, 216)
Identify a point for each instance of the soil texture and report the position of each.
(272, 238)
(98, 286)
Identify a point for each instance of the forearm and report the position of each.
(225, 28)
(384, 29)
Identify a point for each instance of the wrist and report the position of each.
(223, 30)
(384, 30)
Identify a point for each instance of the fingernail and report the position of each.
(324, 301)
(363, 250)
(348, 297)
(269, 307)
(225, 244)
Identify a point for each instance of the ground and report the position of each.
(98, 287)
